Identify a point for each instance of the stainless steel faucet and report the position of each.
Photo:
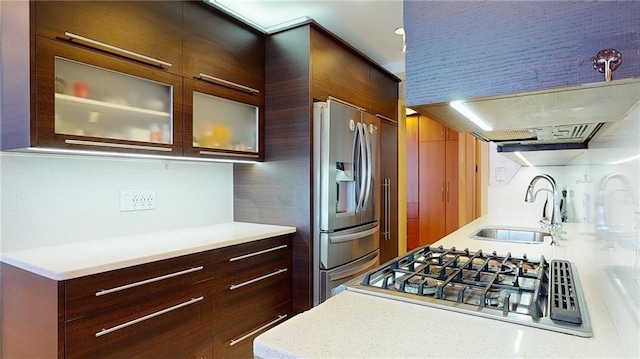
(555, 225)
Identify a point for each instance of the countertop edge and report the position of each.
(27, 259)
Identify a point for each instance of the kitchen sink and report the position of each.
(509, 235)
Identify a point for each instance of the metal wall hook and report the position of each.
(607, 61)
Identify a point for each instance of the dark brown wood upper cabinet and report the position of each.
(90, 100)
(149, 28)
(338, 72)
(220, 47)
(384, 94)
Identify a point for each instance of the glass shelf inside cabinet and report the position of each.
(224, 124)
(95, 102)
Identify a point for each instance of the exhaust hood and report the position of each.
(548, 120)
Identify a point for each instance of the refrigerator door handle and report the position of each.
(369, 177)
(361, 167)
(353, 236)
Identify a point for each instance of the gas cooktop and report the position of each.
(534, 292)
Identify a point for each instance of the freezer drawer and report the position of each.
(331, 279)
(340, 247)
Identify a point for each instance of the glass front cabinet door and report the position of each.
(93, 100)
(221, 122)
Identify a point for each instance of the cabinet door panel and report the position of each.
(430, 130)
(244, 136)
(222, 47)
(150, 28)
(245, 295)
(97, 105)
(251, 259)
(236, 341)
(338, 72)
(432, 192)
(389, 205)
(452, 186)
(158, 327)
(384, 94)
(85, 295)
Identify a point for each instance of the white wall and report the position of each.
(51, 199)
(604, 188)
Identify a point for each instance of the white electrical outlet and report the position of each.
(137, 199)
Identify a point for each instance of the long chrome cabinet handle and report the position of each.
(236, 286)
(215, 153)
(386, 118)
(117, 145)
(233, 259)
(223, 82)
(257, 330)
(149, 316)
(147, 281)
(387, 209)
(118, 49)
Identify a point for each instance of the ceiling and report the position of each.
(368, 25)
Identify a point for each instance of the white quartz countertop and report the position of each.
(357, 325)
(67, 261)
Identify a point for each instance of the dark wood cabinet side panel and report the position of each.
(220, 46)
(32, 315)
(279, 190)
(337, 72)
(150, 28)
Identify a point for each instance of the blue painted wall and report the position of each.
(462, 50)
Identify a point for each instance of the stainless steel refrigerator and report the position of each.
(346, 194)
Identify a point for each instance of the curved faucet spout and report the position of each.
(555, 227)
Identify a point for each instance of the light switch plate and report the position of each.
(137, 200)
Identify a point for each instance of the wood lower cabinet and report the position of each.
(204, 305)
(252, 293)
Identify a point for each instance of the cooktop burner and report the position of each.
(534, 292)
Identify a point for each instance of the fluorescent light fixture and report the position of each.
(625, 160)
(409, 111)
(133, 155)
(520, 156)
(460, 107)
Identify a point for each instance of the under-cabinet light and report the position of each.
(410, 111)
(460, 107)
(625, 160)
(134, 155)
(520, 156)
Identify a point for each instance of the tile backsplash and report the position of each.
(52, 199)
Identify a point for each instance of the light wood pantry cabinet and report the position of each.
(433, 180)
(203, 305)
